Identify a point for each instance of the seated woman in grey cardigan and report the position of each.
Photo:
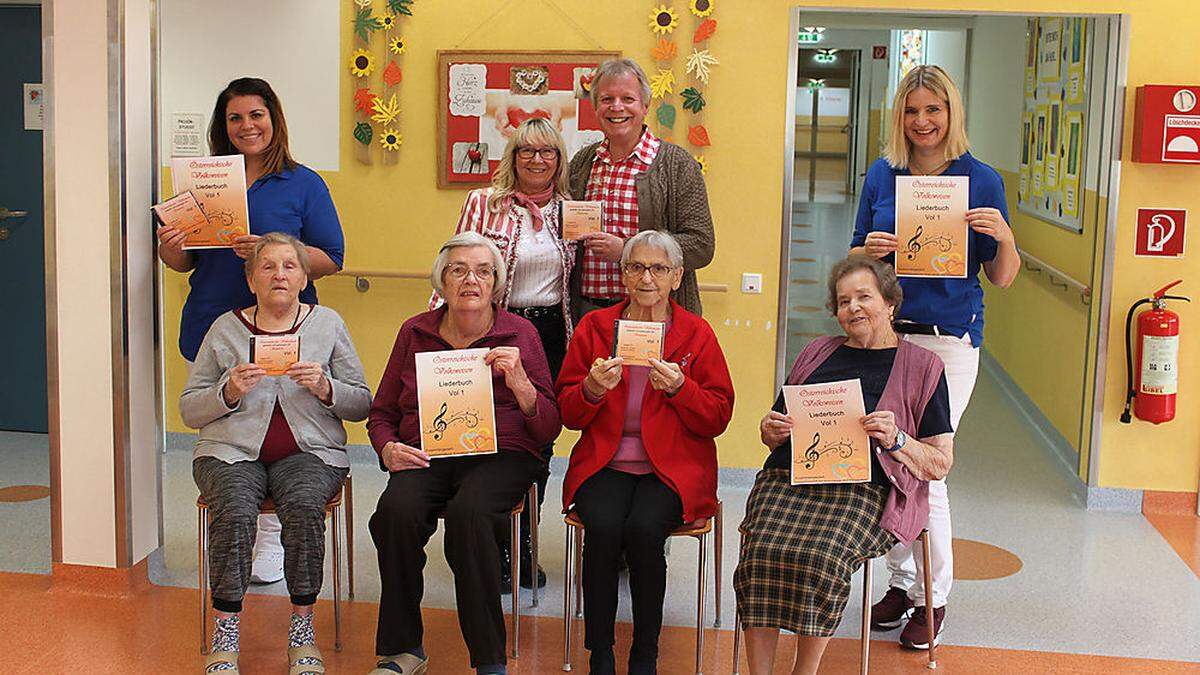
(277, 436)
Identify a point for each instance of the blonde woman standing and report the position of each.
(944, 315)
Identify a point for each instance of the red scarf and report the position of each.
(529, 201)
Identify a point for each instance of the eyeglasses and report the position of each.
(635, 269)
(545, 153)
(459, 271)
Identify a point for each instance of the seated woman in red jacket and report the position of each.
(646, 462)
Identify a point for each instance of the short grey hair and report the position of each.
(654, 239)
(617, 68)
(279, 239)
(469, 239)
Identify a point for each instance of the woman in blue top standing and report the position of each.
(283, 196)
(945, 315)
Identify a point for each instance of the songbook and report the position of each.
(829, 444)
(275, 353)
(219, 185)
(182, 212)
(455, 404)
(579, 218)
(931, 226)
(639, 341)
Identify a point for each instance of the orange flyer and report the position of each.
(829, 444)
(579, 218)
(275, 353)
(931, 226)
(639, 341)
(455, 404)
(219, 185)
(182, 212)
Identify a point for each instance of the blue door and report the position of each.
(22, 255)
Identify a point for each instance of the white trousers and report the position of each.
(907, 572)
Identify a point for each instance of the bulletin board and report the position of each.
(1053, 131)
(483, 96)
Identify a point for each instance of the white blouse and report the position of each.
(537, 272)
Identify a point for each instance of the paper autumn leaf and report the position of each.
(663, 83)
(698, 63)
(363, 133)
(693, 99)
(705, 30)
(698, 136)
(385, 113)
(664, 50)
(364, 100)
(400, 7)
(365, 24)
(392, 74)
(666, 115)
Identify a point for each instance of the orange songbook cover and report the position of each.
(931, 226)
(579, 218)
(219, 184)
(829, 444)
(182, 212)
(639, 341)
(454, 402)
(275, 353)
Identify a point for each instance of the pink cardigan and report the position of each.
(502, 227)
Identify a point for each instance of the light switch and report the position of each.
(751, 282)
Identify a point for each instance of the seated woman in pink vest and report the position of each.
(802, 543)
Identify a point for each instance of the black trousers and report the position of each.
(623, 512)
(476, 494)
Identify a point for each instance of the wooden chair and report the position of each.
(865, 657)
(573, 576)
(342, 503)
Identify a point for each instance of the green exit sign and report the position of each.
(809, 37)
(825, 58)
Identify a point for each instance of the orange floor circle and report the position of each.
(23, 493)
(976, 560)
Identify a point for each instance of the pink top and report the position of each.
(631, 454)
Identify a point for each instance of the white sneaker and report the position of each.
(268, 552)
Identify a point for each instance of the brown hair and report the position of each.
(276, 157)
(935, 80)
(885, 279)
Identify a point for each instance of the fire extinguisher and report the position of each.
(1152, 388)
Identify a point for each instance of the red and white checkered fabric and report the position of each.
(613, 184)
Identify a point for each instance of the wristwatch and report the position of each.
(900, 440)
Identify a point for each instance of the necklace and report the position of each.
(917, 171)
(299, 306)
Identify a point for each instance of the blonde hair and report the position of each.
(935, 80)
(532, 132)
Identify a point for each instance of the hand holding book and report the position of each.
(398, 456)
(507, 362)
(603, 377)
(666, 377)
(242, 378)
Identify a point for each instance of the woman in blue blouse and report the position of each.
(284, 196)
(928, 138)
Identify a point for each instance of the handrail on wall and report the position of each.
(1057, 277)
(362, 276)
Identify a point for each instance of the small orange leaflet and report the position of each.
(392, 74)
(664, 51)
(363, 100)
(698, 136)
(705, 30)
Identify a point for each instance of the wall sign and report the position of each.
(1160, 233)
(879, 52)
(1166, 124)
(34, 103)
(188, 136)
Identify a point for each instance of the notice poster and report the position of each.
(219, 184)
(1072, 163)
(1053, 149)
(1075, 54)
(579, 218)
(454, 402)
(182, 212)
(829, 444)
(1050, 50)
(639, 341)
(931, 226)
(275, 353)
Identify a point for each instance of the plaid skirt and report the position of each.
(800, 546)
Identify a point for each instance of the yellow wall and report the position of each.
(394, 215)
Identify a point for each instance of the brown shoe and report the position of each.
(916, 633)
(889, 612)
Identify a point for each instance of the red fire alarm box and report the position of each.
(1166, 124)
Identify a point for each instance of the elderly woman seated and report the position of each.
(276, 435)
(476, 492)
(646, 462)
(802, 543)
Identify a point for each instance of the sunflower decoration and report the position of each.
(702, 8)
(387, 22)
(396, 45)
(361, 63)
(390, 139)
(663, 20)
(700, 158)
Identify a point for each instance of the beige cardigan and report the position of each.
(671, 198)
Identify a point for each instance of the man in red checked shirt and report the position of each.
(644, 183)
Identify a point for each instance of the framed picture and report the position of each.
(483, 96)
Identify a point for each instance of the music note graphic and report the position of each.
(439, 423)
(914, 243)
(811, 454)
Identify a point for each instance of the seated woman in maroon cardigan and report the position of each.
(646, 462)
(475, 493)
